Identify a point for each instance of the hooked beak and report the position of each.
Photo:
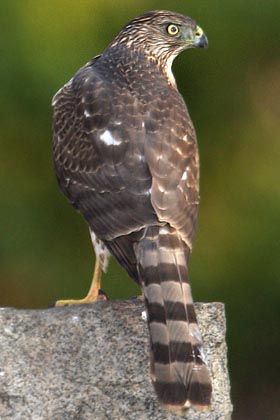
(200, 40)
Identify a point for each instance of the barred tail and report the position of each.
(178, 368)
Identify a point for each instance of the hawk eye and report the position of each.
(173, 29)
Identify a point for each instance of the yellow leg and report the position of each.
(93, 294)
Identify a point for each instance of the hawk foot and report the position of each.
(101, 296)
(95, 293)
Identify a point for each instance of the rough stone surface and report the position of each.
(92, 363)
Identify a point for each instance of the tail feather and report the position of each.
(178, 367)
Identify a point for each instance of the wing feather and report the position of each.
(99, 158)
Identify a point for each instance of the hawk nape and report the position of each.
(126, 156)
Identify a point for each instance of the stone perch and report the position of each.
(92, 363)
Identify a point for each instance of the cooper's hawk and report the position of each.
(125, 155)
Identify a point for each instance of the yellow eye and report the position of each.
(173, 29)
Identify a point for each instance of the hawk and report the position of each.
(125, 155)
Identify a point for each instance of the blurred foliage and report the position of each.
(233, 94)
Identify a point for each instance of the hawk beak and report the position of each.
(200, 40)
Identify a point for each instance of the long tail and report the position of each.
(178, 368)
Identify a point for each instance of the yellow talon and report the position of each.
(94, 293)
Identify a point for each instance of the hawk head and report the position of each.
(162, 34)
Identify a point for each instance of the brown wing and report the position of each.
(125, 159)
(173, 160)
(98, 148)
(99, 156)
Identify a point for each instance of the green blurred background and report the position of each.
(233, 94)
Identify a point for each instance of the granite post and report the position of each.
(91, 362)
